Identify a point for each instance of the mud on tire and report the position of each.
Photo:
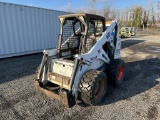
(93, 87)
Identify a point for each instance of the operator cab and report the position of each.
(79, 32)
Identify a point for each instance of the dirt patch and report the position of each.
(152, 113)
(157, 88)
(128, 99)
(146, 97)
(83, 114)
(138, 113)
(51, 112)
(6, 104)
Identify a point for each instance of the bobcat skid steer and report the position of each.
(86, 59)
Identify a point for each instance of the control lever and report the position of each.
(68, 49)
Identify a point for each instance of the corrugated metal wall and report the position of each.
(25, 29)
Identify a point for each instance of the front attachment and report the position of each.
(62, 96)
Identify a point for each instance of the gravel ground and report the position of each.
(138, 98)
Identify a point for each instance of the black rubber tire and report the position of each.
(113, 72)
(122, 36)
(88, 85)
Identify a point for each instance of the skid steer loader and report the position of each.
(86, 59)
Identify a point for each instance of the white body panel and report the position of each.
(95, 55)
(63, 67)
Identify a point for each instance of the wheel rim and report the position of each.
(99, 88)
(120, 72)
